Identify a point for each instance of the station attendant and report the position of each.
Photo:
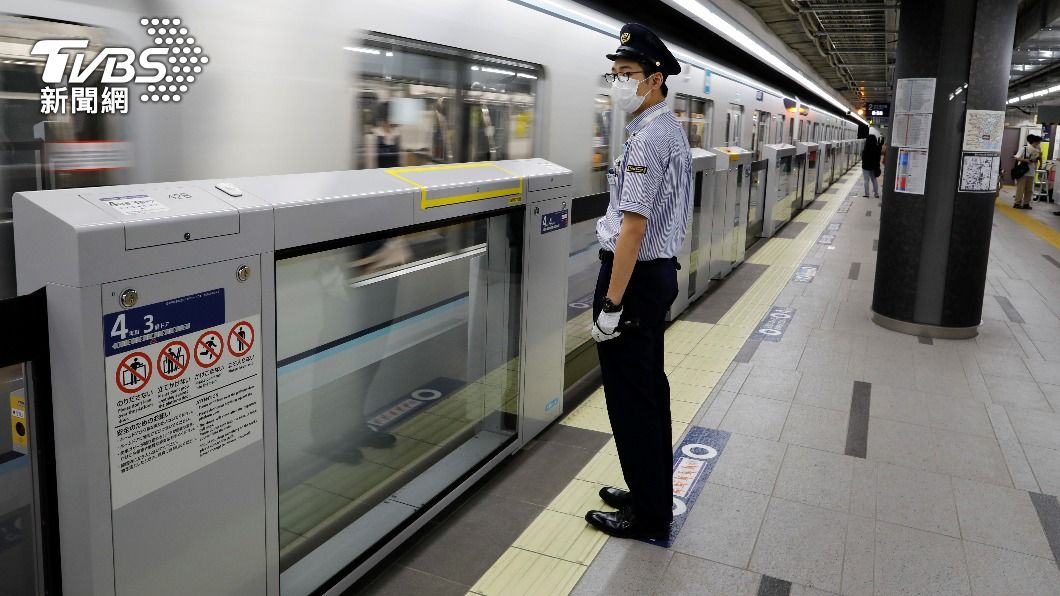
(645, 224)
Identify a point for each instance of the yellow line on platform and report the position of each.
(551, 555)
(1033, 225)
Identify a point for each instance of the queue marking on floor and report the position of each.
(552, 554)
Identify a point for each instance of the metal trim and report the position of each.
(923, 329)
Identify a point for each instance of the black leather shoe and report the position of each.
(616, 497)
(624, 524)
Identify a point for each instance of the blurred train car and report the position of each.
(332, 85)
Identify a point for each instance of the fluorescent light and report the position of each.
(1054, 89)
(742, 39)
(1026, 97)
(494, 70)
(1040, 93)
(1013, 99)
(389, 54)
(523, 75)
(374, 52)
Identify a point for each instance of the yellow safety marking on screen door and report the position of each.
(515, 192)
(1035, 227)
(551, 555)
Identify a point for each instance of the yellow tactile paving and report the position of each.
(578, 497)
(551, 555)
(563, 536)
(1033, 225)
(518, 572)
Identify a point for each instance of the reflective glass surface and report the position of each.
(397, 374)
(19, 541)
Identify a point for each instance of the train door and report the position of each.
(733, 124)
(778, 129)
(791, 130)
(759, 132)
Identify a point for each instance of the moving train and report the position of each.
(365, 84)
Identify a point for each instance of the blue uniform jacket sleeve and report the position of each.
(646, 163)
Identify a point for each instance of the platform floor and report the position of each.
(942, 478)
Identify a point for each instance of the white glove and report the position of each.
(606, 326)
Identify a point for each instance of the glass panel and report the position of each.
(398, 369)
(699, 123)
(732, 125)
(601, 142)
(422, 103)
(19, 538)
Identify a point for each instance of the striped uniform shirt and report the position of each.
(654, 179)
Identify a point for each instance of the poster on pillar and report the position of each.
(911, 174)
(983, 130)
(979, 172)
(913, 106)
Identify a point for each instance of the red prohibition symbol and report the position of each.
(133, 373)
(240, 338)
(209, 348)
(173, 360)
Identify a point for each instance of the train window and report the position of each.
(101, 154)
(733, 123)
(791, 130)
(421, 103)
(759, 132)
(601, 142)
(778, 128)
(817, 131)
(694, 114)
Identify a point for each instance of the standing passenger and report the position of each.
(870, 165)
(645, 223)
(1025, 184)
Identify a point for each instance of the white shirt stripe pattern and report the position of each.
(654, 179)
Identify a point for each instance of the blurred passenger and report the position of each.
(440, 149)
(1028, 159)
(384, 141)
(870, 165)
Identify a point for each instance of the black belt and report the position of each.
(607, 256)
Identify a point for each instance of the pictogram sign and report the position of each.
(173, 360)
(240, 338)
(133, 373)
(208, 349)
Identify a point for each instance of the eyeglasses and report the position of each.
(621, 77)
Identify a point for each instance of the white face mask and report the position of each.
(625, 95)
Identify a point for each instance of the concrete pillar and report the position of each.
(933, 247)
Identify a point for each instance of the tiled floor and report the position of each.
(941, 478)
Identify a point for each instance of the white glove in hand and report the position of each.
(606, 326)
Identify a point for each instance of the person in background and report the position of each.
(384, 140)
(870, 165)
(1031, 155)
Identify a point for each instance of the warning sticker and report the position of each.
(135, 204)
(177, 405)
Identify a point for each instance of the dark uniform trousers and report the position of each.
(635, 385)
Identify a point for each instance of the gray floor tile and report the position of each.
(1015, 457)
(724, 525)
(777, 355)
(914, 562)
(816, 478)
(1036, 428)
(1045, 372)
(714, 413)
(802, 544)
(818, 428)
(1016, 393)
(1045, 463)
(863, 488)
(998, 516)
(897, 369)
(801, 590)
(972, 457)
(624, 568)
(1052, 392)
(823, 361)
(401, 581)
(737, 376)
(756, 416)
(691, 576)
(575, 437)
(831, 391)
(858, 556)
(539, 472)
(774, 383)
(999, 365)
(749, 463)
(998, 571)
(902, 444)
(915, 498)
